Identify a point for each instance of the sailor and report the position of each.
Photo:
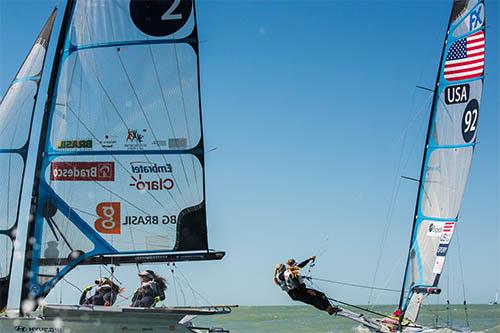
(151, 291)
(105, 294)
(297, 289)
(393, 322)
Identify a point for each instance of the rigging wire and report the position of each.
(448, 311)
(434, 313)
(194, 291)
(172, 271)
(310, 278)
(348, 304)
(395, 192)
(72, 285)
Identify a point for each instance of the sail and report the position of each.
(448, 153)
(121, 155)
(16, 113)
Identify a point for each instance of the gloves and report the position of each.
(157, 299)
(87, 288)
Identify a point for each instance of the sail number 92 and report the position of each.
(469, 120)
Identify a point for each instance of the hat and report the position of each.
(101, 280)
(149, 273)
(103, 287)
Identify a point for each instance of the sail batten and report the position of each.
(448, 153)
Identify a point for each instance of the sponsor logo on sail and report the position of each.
(108, 142)
(109, 218)
(437, 228)
(177, 143)
(442, 249)
(74, 144)
(150, 220)
(135, 140)
(150, 167)
(134, 136)
(82, 171)
(438, 265)
(457, 94)
(159, 184)
(446, 234)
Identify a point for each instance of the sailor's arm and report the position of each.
(305, 262)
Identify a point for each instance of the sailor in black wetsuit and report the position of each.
(105, 294)
(151, 291)
(289, 279)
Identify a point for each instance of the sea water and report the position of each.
(305, 319)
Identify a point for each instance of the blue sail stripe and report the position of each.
(72, 48)
(123, 152)
(35, 78)
(464, 145)
(438, 219)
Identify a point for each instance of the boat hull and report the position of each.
(77, 319)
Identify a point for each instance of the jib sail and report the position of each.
(450, 143)
(121, 158)
(16, 114)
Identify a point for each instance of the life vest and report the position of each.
(280, 279)
(293, 282)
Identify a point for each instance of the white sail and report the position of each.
(448, 153)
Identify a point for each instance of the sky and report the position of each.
(315, 114)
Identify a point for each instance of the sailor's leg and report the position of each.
(293, 294)
(317, 299)
(83, 298)
(136, 300)
(97, 299)
(146, 302)
(109, 298)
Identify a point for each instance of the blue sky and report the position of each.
(314, 111)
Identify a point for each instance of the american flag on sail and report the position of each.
(465, 59)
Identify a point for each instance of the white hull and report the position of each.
(375, 325)
(76, 319)
(379, 327)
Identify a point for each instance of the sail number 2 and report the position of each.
(469, 120)
(168, 14)
(160, 18)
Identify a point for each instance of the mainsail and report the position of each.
(16, 114)
(448, 152)
(121, 156)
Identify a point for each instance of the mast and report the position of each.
(25, 292)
